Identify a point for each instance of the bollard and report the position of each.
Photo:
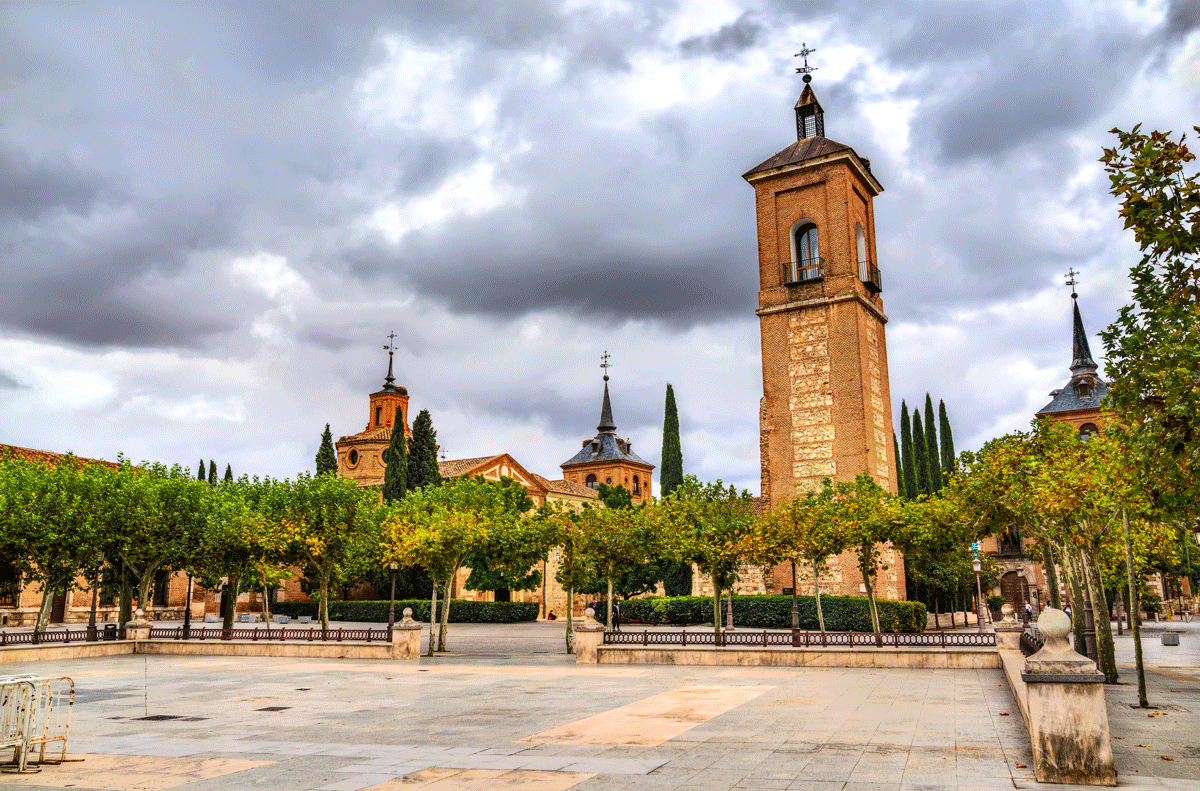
(406, 637)
(1068, 719)
(588, 637)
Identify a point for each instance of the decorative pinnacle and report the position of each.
(1072, 282)
(605, 364)
(391, 348)
(806, 70)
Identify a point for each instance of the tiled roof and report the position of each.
(808, 148)
(1068, 399)
(382, 434)
(609, 450)
(452, 468)
(566, 487)
(49, 457)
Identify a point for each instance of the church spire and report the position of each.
(810, 116)
(389, 381)
(1082, 363)
(606, 419)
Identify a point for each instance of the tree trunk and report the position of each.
(1105, 651)
(125, 608)
(608, 603)
(323, 602)
(817, 591)
(266, 606)
(795, 601)
(1135, 620)
(1048, 566)
(433, 616)
(43, 619)
(716, 611)
(1070, 567)
(445, 610)
(871, 605)
(229, 600)
(570, 620)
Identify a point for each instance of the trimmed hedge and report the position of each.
(842, 613)
(377, 611)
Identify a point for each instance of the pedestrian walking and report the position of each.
(616, 609)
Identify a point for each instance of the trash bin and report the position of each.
(1170, 638)
(110, 631)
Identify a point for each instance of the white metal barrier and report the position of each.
(35, 711)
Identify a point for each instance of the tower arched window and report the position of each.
(1087, 430)
(806, 254)
(637, 489)
(860, 239)
(378, 415)
(591, 481)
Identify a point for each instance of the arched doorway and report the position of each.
(1015, 590)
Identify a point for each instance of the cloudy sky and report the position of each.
(211, 215)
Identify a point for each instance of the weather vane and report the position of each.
(390, 346)
(806, 70)
(605, 364)
(1072, 282)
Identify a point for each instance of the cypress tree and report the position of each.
(920, 453)
(212, 472)
(899, 467)
(670, 476)
(948, 459)
(910, 460)
(931, 442)
(200, 471)
(228, 473)
(422, 454)
(326, 457)
(395, 476)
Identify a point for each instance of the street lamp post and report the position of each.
(977, 565)
(392, 605)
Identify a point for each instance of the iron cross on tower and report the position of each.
(806, 70)
(605, 364)
(1072, 282)
(390, 346)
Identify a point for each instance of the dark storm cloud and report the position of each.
(9, 382)
(741, 34)
(31, 189)
(1182, 18)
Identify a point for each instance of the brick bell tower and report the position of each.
(826, 408)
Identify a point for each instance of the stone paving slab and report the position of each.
(466, 724)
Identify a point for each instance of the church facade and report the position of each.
(826, 405)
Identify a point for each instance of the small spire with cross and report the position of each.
(605, 364)
(806, 70)
(390, 346)
(1072, 282)
(443, 453)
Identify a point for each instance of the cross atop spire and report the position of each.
(810, 117)
(806, 70)
(605, 364)
(389, 380)
(1072, 282)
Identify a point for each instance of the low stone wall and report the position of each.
(922, 658)
(263, 648)
(49, 652)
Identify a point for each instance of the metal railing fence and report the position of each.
(806, 639)
(309, 635)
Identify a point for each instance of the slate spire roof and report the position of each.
(1081, 354)
(606, 419)
(606, 446)
(1086, 389)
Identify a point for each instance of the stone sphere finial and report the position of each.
(589, 612)
(138, 613)
(408, 612)
(1007, 609)
(1054, 624)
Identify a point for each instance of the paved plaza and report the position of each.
(507, 710)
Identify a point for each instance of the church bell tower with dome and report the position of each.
(826, 406)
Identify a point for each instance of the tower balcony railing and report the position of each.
(868, 273)
(803, 271)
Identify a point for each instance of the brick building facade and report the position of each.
(826, 406)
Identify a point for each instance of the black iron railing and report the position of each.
(803, 271)
(868, 273)
(309, 635)
(49, 636)
(1009, 547)
(805, 639)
